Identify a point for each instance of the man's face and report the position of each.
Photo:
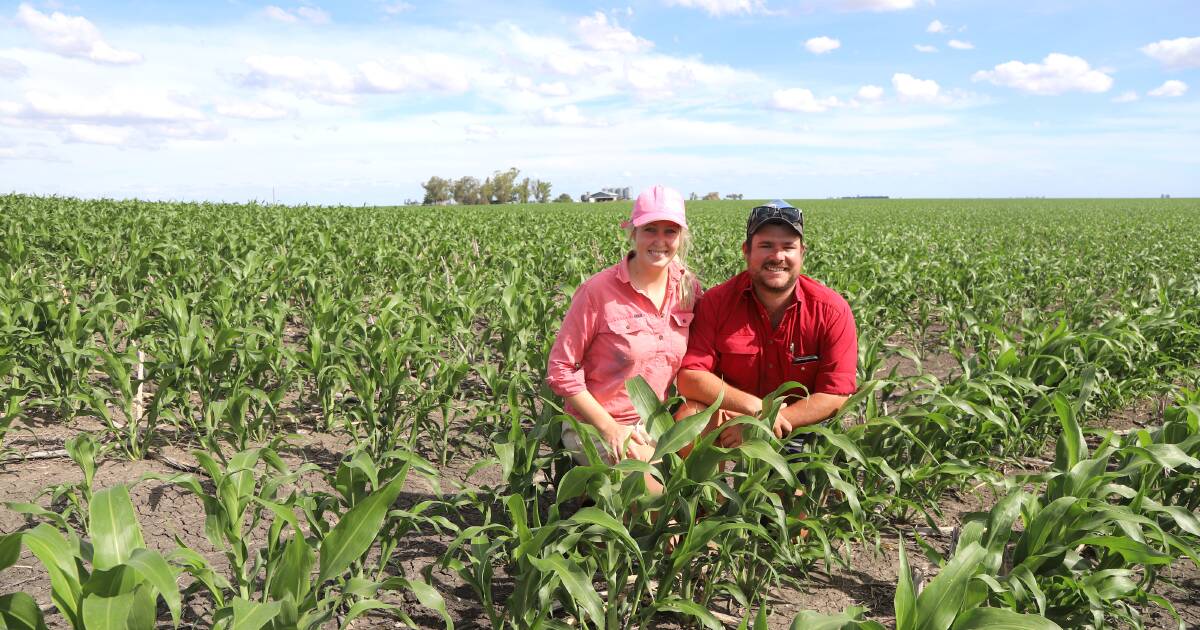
(774, 257)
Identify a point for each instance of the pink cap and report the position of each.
(657, 203)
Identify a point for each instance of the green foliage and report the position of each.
(989, 330)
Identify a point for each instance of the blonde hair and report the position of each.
(686, 291)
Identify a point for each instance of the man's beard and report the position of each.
(787, 285)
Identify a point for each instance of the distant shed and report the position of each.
(600, 197)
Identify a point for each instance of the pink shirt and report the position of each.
(611, 333)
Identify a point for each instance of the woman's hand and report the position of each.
(614, 436)
(731, 436)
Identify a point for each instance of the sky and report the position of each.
(359, 102)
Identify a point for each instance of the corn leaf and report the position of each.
(354, 532)
(56, 555)
(691, 609)
(107, 613)
(939, 603)
(576, 582)
(19, 611)
(114, 527)
(247, 615)
(155, 571)
(906, 596)
(1002, 619)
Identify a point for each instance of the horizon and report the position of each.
(357, 103)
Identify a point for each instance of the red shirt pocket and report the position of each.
(803, 370)
(738, 362)
(630, 326)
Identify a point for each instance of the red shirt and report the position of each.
(816, 343)
(611, 333)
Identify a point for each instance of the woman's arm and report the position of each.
(611, 432)
(565, 374)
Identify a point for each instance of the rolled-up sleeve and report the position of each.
(565, 374)
(702, 350)
(839, 366)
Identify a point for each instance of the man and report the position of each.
(766, 326)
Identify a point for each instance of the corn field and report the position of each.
(249, 416)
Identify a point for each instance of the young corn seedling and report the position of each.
(106, 578)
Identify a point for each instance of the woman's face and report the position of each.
(657, 243)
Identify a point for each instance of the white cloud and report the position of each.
(99, 134)
(425, 71)
(72, 36)
(821, 45)
(551, 54)
(662, 76)
(252, 111)
(910, 88)
(124, 106)
(597, 33)
(925, 48)
(936, 26)
(321, 79)
(12, 69)
(802, 100)
(568, 115)
(602, 73)
(279, 15)
(870, 92)
(330, 82)
(718, 8)
(479, 133)
(395, 8)
(876, 5)
(9, 108)
(960, 45)
(1183, 52)
(1169, 89)
(312, 15)
(554, 88)
(1126, 97)
(129, 116)
(1058, 73)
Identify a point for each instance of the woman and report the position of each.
(628, 320)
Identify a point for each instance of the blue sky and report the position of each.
(359, 102)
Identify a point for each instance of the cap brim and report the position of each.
(652, 217)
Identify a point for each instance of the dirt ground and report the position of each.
(167, 514)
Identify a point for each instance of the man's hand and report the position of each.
(782, 425)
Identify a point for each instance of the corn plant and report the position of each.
(106, 578)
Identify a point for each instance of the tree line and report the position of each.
(501, 187)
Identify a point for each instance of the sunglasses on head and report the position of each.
(766, 213)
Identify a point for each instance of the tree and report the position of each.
(524, 190)
(542, 191)
(467, 190)
(487, 191)
(437, 190)
(712, 196)
(504, 184)
(563, 198)
(693, 197)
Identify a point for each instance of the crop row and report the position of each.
(409, 330)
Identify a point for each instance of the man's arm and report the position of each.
(704, 386)
(816, 408)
